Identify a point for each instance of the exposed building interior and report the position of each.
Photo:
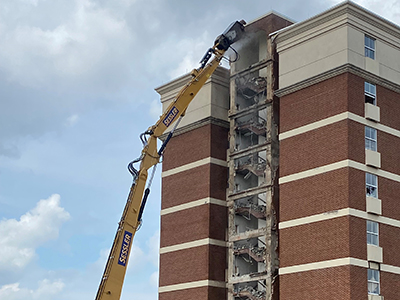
(252, 236)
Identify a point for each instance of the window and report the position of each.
(372, 185)
(373, 282)
(370, 93)
(372, 233)
(370, 138)
(369, 43)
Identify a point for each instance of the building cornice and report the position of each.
(335, 72)
(220, 76)
(347, 7)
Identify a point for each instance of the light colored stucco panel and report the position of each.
(211, 101)
(302, 45)
(389, 73)
(355, 46)
(355, 40)
(314, 68)
(372, 65)
(356, 59)
(388, 55)
(312, 50)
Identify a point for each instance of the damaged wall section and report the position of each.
(253, 157)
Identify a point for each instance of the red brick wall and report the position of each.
(389, 147)
(341, 93)
(322, 193)
(209, 140)
(193, 264)
(344, 236)
(209, 293)
(337, 283)
(389, 240)
(206, 262)
(205, 221)
(324, 240)
(389, 104)
(204, 181)
(322, 146)
(388, 192)
(390, 285)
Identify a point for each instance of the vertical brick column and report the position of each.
(193, 208)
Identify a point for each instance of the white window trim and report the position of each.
(373, 233)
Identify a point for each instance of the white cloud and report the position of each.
(32, 55)
(32, 2)
(46, 290)
(20, 238)
(155, 109)
(191, 51)
(154, 279)
(71, 120)
(153, 244)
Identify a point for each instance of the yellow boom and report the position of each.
(113, 278)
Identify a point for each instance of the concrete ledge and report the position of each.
(190, 285)
(372, 158)
(374, 206)
(375, 297)
(372, 112)
(375, 253)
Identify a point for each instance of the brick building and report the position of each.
(282, 180)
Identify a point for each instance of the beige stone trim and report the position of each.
(315, 171)
(201, 162)
(375, 125)
(315, 125)
(390, 269)
(338, 118)
(198, 243)
(339, 213)
(338, 165)
(346, 261)
(191, 285)
(315, 218)
(324, 264)
(191, 204)
(372, 170)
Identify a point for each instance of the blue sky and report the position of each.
(77, 83)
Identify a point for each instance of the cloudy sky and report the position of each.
(77, 81)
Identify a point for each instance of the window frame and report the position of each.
(367, 48)
(368, 93)
(373, 233)
(371, 140)
(371, 185)
(371, 281)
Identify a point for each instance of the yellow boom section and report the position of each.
(113, 277)
(114, 274)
